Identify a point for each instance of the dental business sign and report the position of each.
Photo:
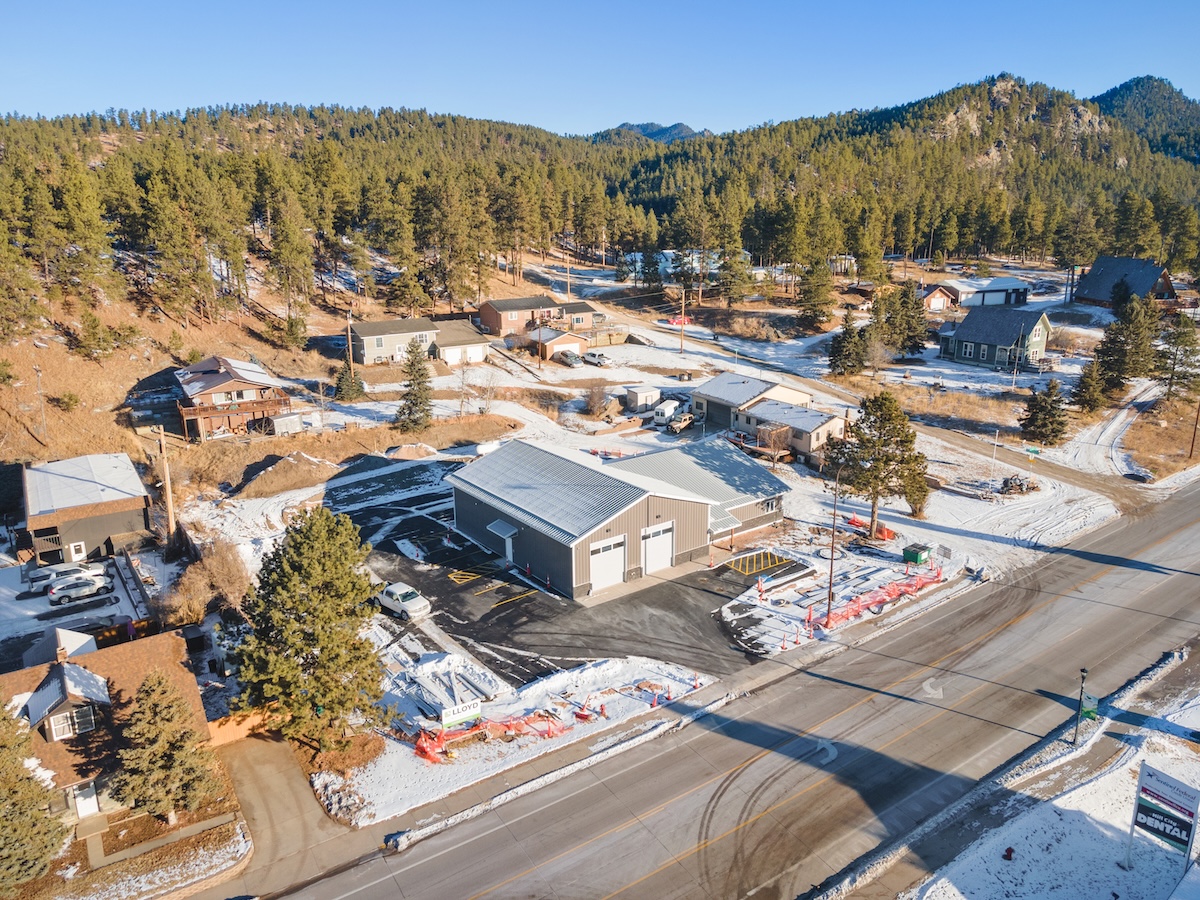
(1165, 808)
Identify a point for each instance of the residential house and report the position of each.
(997, 336)
(719, 398)
(810, 429)
(582, 526)
(376, 343)
(1000, 291)
(225, 396)
(514, 315)
(579, 315)
(550, 341)
(459, 342)
(76, 708)
(1143, 277)
(86, 507)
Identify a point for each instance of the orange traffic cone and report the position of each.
(654, 702)
(696, 681)
(668, 693)
(603, 711)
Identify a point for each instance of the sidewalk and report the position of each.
(95, 842)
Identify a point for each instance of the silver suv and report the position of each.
(78, 587)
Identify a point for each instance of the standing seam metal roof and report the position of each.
(999, 325)
(209, 374)
(80, 481)
(733, 389)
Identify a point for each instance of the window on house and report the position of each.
(968, 350)
(770, 505)
(577, 320)
(378, 343)
(1033, 354)
(983, 351)
(422, 339)
(80, 720)
(1036, 333)
(512, 316)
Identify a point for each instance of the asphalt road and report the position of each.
(785, 788)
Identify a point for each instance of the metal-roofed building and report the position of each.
(810, 429)
(1000, 291)
(80, 508)
(583, 527)
(1143, 277)
(720, 398)
(223, 396)
(996, 336)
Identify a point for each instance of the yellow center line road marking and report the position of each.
(918, 673)
(511, 599)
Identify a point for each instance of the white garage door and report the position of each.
(658, 546)
(608, 563)
(452, 356)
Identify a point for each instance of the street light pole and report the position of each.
(1079, 709)
(832, 548)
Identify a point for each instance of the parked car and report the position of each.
(681, 421)
(41, 579)
(95, 624)
(404, 601)
(78, 587)
(596, 358)
(679, 320)
(665, 412)
(569, 358)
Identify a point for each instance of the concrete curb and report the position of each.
(397, 843)
(1035, 761)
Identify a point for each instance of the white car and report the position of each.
(403, 600)
(41, 579)
(596, 358)
(78, 587)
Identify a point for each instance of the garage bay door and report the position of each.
(608, 563)
(658, 546)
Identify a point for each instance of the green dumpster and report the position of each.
(917, 554)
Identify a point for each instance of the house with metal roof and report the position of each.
(460, 342)
(225, 396)
(1143, 277)
(379, 343)
(809, 429)
(86, 507)
(724, 395)
(999, 291)
(582, 526)
(997, 336)
(75, 709)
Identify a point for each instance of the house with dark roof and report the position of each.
(459, 342)
(579, 315)
(75, 709)
(223, 396)
(514, 315)
(1143, 277)
(86, 507)
(996, 336)
(379, 343)
(720, 398)
(581, 526)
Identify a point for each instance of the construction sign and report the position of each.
(1166, 808)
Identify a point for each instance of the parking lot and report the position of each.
(25, 615)
(522, 631)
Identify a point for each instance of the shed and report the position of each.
(287, 423)
(641, 398)
(551, 341)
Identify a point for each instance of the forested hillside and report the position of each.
(164, 207)
(1159, 112)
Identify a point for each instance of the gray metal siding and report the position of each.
(752, 515)
(544, 556)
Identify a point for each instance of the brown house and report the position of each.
(75, 711)
(224, 396)
(86, 507)
(515, 314)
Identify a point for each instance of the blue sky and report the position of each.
(577, 68)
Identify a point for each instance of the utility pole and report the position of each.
(837, 480)
(682, 314)
(167, 496)
(41, 401)
(1079, 711)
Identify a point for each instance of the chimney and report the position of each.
(60, 655)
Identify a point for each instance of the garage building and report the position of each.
(584, 526)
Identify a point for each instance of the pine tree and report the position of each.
(416, 407)
(1089, 390)
(848, 350)
(815, 298)
(348, 385)
(164, 767)
(909, 327)
(733, 276)
(30, 837)
(878, 457)
(1179, 358)
(95, 338)
(1045, 420)
(306, 658)
(1127, 349)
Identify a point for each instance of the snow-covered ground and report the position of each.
(1069, 847)
(605, 692)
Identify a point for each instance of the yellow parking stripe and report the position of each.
(511, 599)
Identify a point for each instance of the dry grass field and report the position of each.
(1159, 439)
